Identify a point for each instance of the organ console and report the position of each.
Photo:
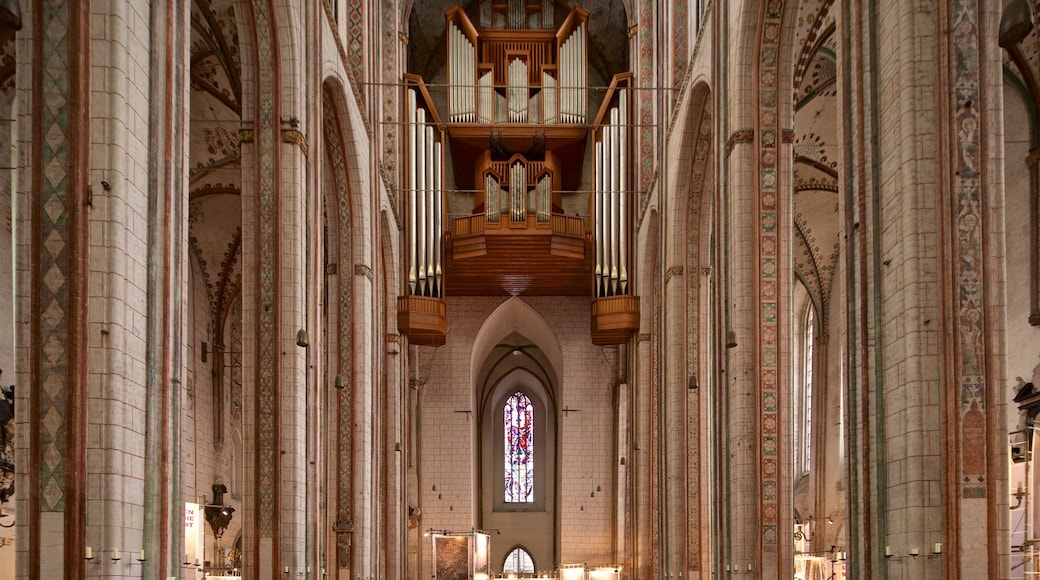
(525, 212)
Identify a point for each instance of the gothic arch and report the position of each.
(514, 316)
(340, 234)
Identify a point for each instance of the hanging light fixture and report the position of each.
(10, 14)
(1015, 23)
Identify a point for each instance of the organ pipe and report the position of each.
(550, 98)
(599, 229)
(420, 186)
(491, 202)
(518, 92)
(438, 227)
(517, 13)
(412, 279)
(573, 76)
(425, 185)
(614, 200)
(608, 207)
(611, 199)
(430, 185)
(623, 186)
(462, 61)
(485, 98)
(544, 198)
(518, 191)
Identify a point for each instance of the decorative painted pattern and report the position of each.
(391, 47)
(267, 136)
(356, 42)
(820, 19)
(967, 189)
(739, 136)
(214, 52)
(685, 82)
(647, 97)
(354, 87)
(769, 259)
(699, 181)
(52, 252)
(333, 138)
(656, 437)
(680, 35)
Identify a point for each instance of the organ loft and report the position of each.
(518, 172)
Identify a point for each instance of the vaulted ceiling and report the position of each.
(816, 152)
(215, 168)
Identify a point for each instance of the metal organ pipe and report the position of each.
(518, 92)
(608, 272)
(491, 202)
(412, 279)
(517, 9)
(462, 61)
(453, 73)
(469, 75)
(623, 185)
(485, 98)
(544, 194)
(431, 186)
(583, 59)
(420, 186)
(566, 79)
(615, 202)
(611, 202)
(438, 226)
(549, 98)
(518, 191)
(599, 229)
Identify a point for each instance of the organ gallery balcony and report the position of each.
(423, 319)
(526, 256)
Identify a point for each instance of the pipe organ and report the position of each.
(529, 214)
(497, 76)
(425, 202)
(611, 200)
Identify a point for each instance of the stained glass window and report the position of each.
(519, 448)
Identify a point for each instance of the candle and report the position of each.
(888, 551)
(141, 555)
(914, 551)
(90, 553)
(938, 548)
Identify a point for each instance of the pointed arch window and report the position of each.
(804, 395)
(518, 561)
(518, 418)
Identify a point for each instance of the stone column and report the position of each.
(53, 253)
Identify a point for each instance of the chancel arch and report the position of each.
(517, 389)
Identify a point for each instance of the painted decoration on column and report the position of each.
(769, 258)
(967, 189)
(267, 333)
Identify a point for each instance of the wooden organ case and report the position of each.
(541, 202)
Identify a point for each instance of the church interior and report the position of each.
(480, 289)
